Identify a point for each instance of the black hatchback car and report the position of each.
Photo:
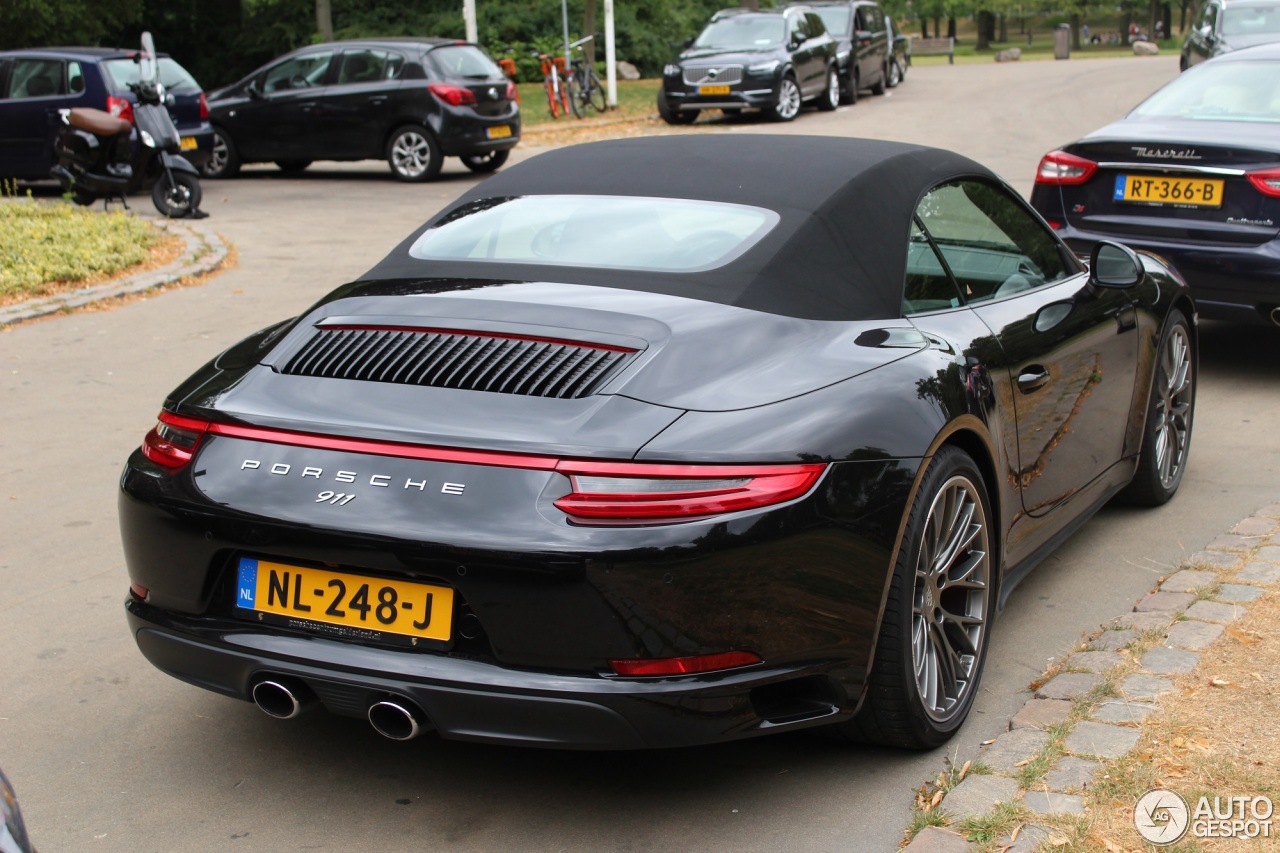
(410, 101)
(1227, 25)
(37, 84)
(769, 61)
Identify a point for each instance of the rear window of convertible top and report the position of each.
(617, 232)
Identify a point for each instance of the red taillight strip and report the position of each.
(386, 448)
(351, 327)
(763, 485)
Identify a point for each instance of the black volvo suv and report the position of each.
(769, 61)
(412, 101)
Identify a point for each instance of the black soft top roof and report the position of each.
(838, 252)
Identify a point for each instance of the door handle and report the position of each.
(1032, 378)
(378, 99)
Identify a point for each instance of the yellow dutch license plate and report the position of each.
(187, 143)
(500, 131)
(360, 604)
(713, 90)
(1195, 192)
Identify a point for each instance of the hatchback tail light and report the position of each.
(1060, 168)
(173, 441)
(1267, 181)
(204, 107)
(120, 107)
(622, 492)
(513, 93)
(454, 96)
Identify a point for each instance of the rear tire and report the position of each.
(895, 73)
(179, 199)
(933, 636)
(577, 98)
(879, 87)
(595, 94)
(1166, 437)
(483, 163)
(413, 155)
(849, 90)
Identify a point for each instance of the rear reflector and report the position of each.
(173, 441)
(139, 591)
(204, 108)
(1266, 181)
(1060, 168)
(621, 492)
(684, 666)
(454, 96)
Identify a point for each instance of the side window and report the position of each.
(795, 27)
(36, 78)
(929, 286)
(6, 65)
(367, 66)
(1207, 16)
(75, 78)
(815, 25)
(300, 72)
(993, 246)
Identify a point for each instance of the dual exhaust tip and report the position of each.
(392, 717)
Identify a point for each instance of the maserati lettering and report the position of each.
(1166, 153)
(382, 481)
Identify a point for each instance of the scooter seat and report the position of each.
(98, 122)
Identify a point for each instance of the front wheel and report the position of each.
(224, 161)
(674, 116)
(879, 87)
(595, 93)
(1166, 438)
(895, 73)
(830, 97)
(482, 163)
(178, 199)
(933, 636)
(787, 107)
(413, 155)
(849, 91)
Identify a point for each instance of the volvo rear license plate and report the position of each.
(500, 131)
(187, 143)
(713, 90)
(1144, 189)
(344, 605)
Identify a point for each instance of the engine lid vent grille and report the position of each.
(470, 361)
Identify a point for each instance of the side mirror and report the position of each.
(252, 90)
(1114, 265)
(798, 39)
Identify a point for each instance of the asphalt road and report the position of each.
(110, 755)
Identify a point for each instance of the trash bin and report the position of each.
(1062, 41)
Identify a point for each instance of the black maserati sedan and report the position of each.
(410, 101)
(769, 61)
(619, 450)
(1191, 174)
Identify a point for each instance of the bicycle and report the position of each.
(557, 91)
(585, 88)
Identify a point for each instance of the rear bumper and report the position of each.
(476, 701)
(1237, 283)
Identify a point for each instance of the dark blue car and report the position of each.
(37, 83)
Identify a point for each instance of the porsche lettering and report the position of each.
(381, 481)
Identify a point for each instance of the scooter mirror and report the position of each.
(147, 68)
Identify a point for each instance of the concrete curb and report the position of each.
(1247, 560)
(204, 252)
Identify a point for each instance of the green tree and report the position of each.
(31, 23)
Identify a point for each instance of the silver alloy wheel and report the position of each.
(218, 155)
(1173, 406)
(895, 73)
(949, 600)
(833, 88)
(411, 154)
(788, 100)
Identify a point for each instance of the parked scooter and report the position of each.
(101, 155)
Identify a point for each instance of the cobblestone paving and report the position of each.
(1189, 609)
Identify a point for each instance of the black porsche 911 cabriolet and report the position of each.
(660, 442)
